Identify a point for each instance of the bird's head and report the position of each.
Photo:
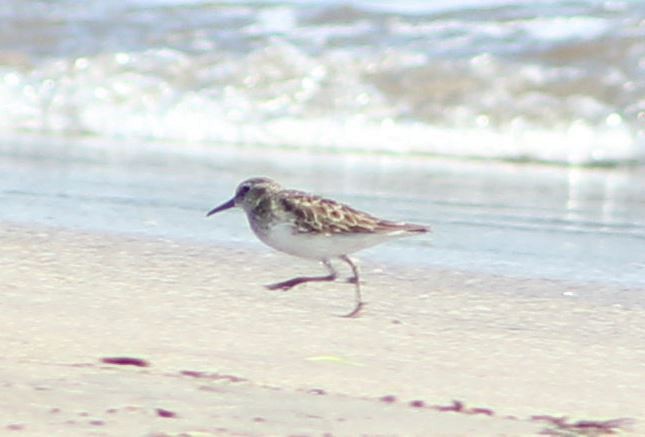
(248, 194)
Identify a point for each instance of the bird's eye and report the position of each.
(243, 190)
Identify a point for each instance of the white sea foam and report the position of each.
(560, 84)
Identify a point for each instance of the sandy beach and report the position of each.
(212, 352)
(513, 129)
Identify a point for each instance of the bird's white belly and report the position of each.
(314, 246)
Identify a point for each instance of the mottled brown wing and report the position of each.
(317, 214)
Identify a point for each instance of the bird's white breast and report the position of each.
(282, 237)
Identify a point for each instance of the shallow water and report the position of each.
(517, 220)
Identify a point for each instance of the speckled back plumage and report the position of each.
(315, 214)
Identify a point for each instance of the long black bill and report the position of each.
(222, 207)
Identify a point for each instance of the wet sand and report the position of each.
(435, 352)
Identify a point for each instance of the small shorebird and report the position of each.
(312, 227)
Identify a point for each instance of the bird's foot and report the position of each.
(355, 312)
(284, 286)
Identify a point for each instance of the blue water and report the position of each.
(513, 220)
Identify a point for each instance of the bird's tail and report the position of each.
(416, 229)
(403, 227)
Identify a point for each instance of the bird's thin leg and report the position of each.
(356, 280)
(286, 285)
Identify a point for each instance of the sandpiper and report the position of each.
(312, 227)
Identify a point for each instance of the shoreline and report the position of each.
(570, 225)
(517, 348)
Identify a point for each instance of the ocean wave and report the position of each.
(506, 84)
